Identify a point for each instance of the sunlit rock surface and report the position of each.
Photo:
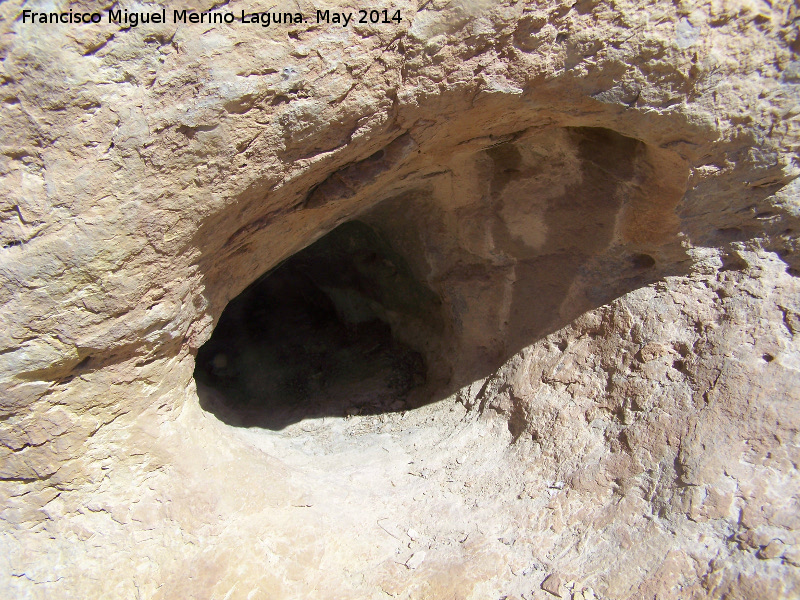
(584, 220)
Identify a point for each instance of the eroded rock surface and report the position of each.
(596, 203)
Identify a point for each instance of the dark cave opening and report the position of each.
(320, 335)
(517, 240)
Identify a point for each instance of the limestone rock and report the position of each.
(581, 218)
(552, 584)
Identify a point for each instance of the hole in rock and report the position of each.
(319, 336)
(441, 280)
(643, 261)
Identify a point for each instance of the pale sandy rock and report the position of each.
(582, 218)
(416, 560)
(552, 584)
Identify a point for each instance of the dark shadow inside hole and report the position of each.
(316, 336)
(643, 261)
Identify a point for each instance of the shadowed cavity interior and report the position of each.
(316, 336)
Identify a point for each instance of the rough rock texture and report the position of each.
(600, 194)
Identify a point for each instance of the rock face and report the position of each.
(586, 219)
